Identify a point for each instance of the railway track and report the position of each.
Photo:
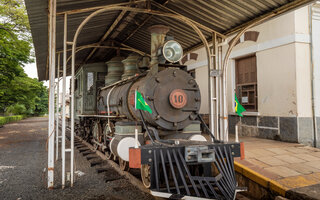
(103, 165)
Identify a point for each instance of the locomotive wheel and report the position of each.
(97, 132)
(124, 165)
(146, 175)
(87, 132)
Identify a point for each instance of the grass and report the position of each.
(7, 119)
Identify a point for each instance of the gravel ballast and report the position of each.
(23, 163)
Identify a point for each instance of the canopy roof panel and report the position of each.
(222, 16)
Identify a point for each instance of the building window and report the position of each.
(246, 82)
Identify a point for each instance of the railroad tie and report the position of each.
(113, 178)
(102, 169)
(96, 162)
(83, 150)
(80, 146)
(88, 153)
(91, 157)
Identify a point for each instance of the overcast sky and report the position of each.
(31, 71)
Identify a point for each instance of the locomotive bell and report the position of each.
(172, 51)
(130, 65)
(115, 70)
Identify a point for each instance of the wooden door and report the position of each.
(246, 82)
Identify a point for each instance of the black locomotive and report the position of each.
(169, 145)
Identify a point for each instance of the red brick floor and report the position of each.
(286, 163)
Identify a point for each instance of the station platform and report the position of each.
(290, 170)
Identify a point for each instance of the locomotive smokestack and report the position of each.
(158, 34)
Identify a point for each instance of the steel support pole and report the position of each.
(211, 90)
(52, 49)
(220, 95)
(57, 109)
(72, 110)
(64, 85)
(215, 87)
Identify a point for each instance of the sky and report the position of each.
(31, 71)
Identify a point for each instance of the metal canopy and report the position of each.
(225, 17)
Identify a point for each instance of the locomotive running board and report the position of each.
(168, 164)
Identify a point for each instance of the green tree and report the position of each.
(14, 18)
(19, 94)
(41, 103)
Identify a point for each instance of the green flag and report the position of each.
(141, 104)
(239, 109)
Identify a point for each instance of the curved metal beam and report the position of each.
(76, 11)
(107, 47)
(147, 11)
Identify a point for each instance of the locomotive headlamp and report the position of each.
(172, 51)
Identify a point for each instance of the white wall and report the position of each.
(202, 80)
(201, 71)
(316, 57)
(303, 80)
(276, 81)
(283, 66)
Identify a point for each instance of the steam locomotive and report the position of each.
(176, 152)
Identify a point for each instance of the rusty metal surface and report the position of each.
(223, 16)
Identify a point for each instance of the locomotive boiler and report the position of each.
(168, 145)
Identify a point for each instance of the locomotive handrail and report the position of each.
(103, 116)
(208, 129)
(108, 107)
(156, 135)
(145, 126)
(125, 80)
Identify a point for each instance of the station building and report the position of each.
(275, 72)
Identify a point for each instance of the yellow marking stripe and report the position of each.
(281, 185)
(260, 179)
(300, 181)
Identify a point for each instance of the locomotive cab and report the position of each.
(89, 78)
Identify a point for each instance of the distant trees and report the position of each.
(19, 94)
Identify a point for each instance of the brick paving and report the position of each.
(290, 164)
